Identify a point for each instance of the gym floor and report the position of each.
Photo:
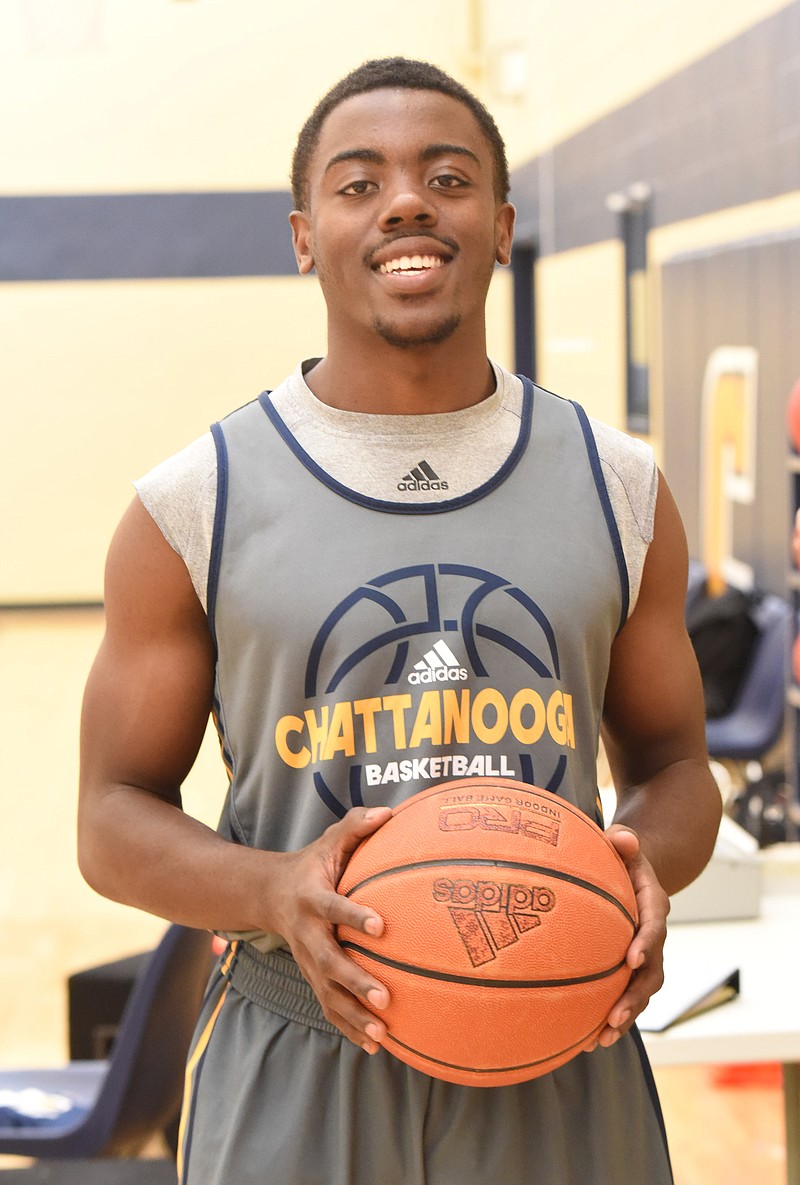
(724, 1128)
(725, 1124)
(719, 1134)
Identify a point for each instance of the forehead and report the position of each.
(399, 124)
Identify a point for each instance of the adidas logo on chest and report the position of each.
(439, 665)
(422, 477)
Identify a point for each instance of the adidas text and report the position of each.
(422, 485)
(438, 675)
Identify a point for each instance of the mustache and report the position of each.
(450, 244)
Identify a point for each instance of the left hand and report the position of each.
(645, 954)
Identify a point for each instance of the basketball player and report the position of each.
(360, 574)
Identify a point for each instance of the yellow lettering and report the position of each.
(456, 716)
(555, 718)
(428, 724)
(287, 724)
(527, 734)
(568, 720)
(366, 708)
(489, 733)
(341, 738)
(397, 705)
(317, 730)
(443, 717)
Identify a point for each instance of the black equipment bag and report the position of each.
(723, 633)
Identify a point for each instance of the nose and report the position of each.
(407, 204)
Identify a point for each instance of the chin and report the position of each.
(409, 338)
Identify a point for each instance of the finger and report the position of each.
(651, 900)
(359, 1026)
(647, 943)
(645, 953)
(340, 840)
(635, 998)
(347, 995)
(324, 963)
(337, 910)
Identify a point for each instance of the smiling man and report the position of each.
(404, 564)
(404, 226)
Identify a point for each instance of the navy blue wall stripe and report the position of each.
(137, 236)
(722, 132)
(681, 137)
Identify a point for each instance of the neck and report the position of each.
(388, 380)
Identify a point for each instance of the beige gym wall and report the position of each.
(581, 328)
(157, 96)
(552, 67)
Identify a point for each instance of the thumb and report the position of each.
(625, 842)
(357, 824)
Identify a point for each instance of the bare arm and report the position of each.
(145, 710)
(669, 806)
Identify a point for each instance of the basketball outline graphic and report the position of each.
(431, 603)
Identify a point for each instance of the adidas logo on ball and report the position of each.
(439, 665)
(489, 915)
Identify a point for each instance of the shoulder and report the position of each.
(631, 474)
(180, 496)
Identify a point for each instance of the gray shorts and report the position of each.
(277, 1096)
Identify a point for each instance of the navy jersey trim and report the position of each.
(652, 1089)
(379, 504)
(215, 560)
(218, 532)
(608, 511)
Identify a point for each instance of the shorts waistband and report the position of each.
(273, 980)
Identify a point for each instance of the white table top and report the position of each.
(763, 1023)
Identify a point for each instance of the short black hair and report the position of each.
(392, 73)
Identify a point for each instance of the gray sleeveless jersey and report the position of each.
(367, 650)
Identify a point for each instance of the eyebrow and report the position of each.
(434, 150)
(367, 154)
(372, 156)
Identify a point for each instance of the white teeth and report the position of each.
(411, 263)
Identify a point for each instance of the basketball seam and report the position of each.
(484, 862)
(436, 1061)
(472, 981)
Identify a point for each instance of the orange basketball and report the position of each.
(507, 916)
(793, 416)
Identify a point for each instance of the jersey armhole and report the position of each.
(608, 511)
(218, 532)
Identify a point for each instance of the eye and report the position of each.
(357, 188)
(448, 181)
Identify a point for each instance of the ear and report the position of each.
(504, 231)
(301, 241)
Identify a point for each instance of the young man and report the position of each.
(401, 503)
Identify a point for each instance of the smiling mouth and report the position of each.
(412, 265)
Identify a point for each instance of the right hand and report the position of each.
(305, 910)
